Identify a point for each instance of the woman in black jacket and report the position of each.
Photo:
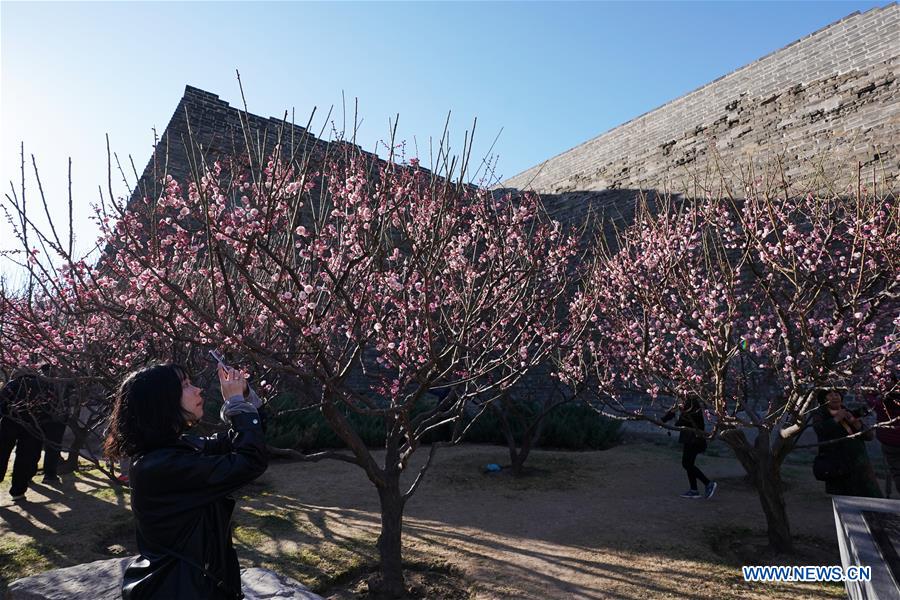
(181, 486)
(693, 444)
(855, 475)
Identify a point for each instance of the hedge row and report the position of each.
(570, 426)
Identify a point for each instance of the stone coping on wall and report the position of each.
(859, 547)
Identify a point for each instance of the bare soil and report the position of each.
(580, 525)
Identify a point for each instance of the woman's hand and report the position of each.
(233, 381)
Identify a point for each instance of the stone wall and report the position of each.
(203, 129)
(215, 126)
(828, 100)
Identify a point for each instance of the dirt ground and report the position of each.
(583, 525)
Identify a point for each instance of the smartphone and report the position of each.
(218, 358)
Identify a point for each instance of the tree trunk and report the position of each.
(516, 460)
(389, 541)
(529, 437)
(765, 472)
(387, 482)
(519, 450)
(80, 436)
(771, 496)
(517, 463)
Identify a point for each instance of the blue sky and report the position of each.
(550, 75)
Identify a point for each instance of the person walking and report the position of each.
(693, 444)
(181, 485)
(20, 430)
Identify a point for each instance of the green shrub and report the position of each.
(579, 427)
(570, 426)
(308, 430)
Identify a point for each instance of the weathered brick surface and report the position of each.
(829, 100)
(216, 128)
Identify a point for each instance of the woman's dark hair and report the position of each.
(147, 411)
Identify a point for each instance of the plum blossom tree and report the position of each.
(522, 409)
(749, 305)
(53, 321)
(39, 333)
(522, 414)
(364, 284)
(826, 271)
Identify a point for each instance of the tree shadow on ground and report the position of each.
(82, 519)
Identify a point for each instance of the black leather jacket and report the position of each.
(181, 500)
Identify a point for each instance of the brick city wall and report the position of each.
(829, 99)
(215, 126)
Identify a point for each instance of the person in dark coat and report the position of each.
(53, 421)
(693, 444)
(20, 429)
(887, 411)
(832, 421)
(182, 486)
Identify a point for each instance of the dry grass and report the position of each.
(579, 525)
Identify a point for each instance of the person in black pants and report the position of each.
(20, 430)
(52, 416)
(53, 430)
(693, 444)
